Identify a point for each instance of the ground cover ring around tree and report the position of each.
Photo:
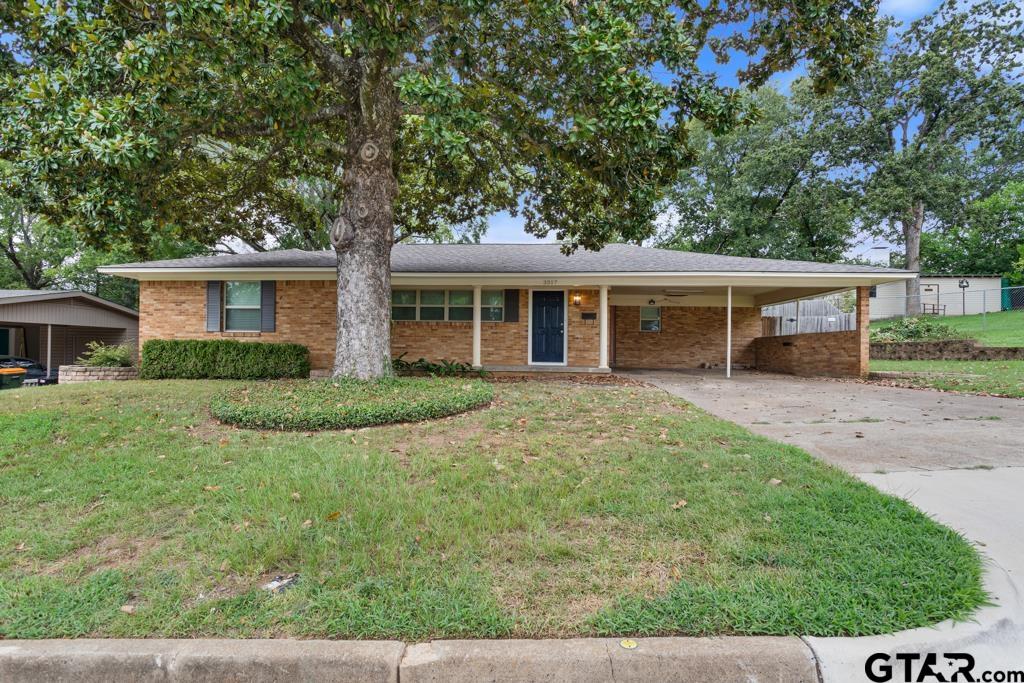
(322, 404)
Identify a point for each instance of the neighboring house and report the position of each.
(507, 307)
(941, 295)
(53, 327)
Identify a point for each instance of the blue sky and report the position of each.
(506, 228)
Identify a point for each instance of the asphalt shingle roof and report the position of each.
(520, 258)
(8, 293)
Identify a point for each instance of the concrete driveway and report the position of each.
(957, 458)
(861, 427)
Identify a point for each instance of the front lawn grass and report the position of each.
(560, 510)
(997, 377)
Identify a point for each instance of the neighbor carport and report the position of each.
(53, 327)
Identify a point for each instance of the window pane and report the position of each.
(403, 312)
(650, 313)
(242, 319)
(650, 325)
(494, 297)
(403, 297)
(460, 298)
(492, 314)
(242, 294)
(432, 297)
(460, 313)
(431, 312)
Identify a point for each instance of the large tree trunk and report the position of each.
(912, 226)
(363, 232)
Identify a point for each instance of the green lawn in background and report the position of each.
(1004, 328)
(560, 510)
(1002, 378)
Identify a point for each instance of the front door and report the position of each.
(548, 320)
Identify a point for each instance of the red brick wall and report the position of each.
(822, 354)
(500, 343)
(863, 325)
(305, 315)
(690, 337)
(584, 335)
(825, 354)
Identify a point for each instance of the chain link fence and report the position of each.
(947, 302)
(837, 312)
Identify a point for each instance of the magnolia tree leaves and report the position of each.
(203, 119)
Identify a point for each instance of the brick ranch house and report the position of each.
(516, 307)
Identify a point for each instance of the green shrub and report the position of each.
(312, 405)
(100, 355)
(925, 328)
(222, 359)
(443, 368)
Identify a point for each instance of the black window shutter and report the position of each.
(213, 306)
(268, 303)
(511, 305)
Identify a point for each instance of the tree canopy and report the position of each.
(989, 241)
(763, 190)
(201, 118)
(936, 123)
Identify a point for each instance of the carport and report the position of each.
(54, 327)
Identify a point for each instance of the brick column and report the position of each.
(863, 336)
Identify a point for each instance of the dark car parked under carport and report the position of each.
(34, 370)
(53, 328)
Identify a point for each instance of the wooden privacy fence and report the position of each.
(816, 315)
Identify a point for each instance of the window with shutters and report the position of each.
(242, 306)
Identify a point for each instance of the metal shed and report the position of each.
(53, 327)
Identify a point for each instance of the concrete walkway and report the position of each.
(957, 458)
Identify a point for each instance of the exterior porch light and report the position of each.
(577, 300)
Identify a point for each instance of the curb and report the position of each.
(252, 661)
(667, 660)
(734, 658)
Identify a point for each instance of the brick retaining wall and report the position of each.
(73, 374)
(822, 354)
(948, 349)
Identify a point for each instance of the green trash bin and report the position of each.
(11, 378)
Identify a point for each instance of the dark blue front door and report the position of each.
(548, 327)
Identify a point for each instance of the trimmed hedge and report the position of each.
(222, 359)
(313, 405)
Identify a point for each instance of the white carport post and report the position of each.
(49, 351)
(728, 331)
(602, 354)
(477, 296)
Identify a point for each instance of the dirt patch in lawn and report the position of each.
(570, 574)
(110, 552)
